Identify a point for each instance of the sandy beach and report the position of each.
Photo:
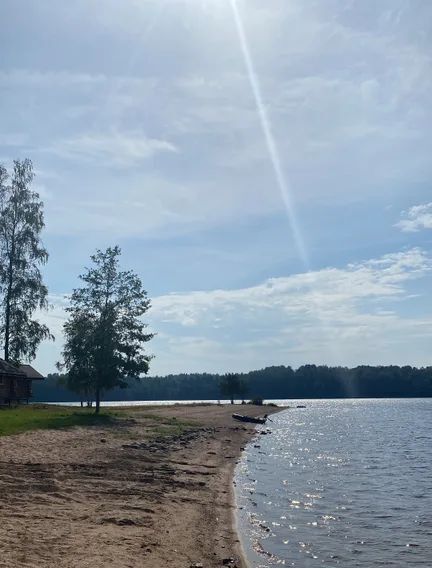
(118, 496)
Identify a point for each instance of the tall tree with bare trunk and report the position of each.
(22, 291)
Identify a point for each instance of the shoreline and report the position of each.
(117, 496)
(239, 548)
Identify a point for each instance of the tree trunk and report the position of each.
(7, 314)
(9, 298)
(232, 400)
(7, 328)
(97, 397)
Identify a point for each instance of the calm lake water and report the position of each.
(340, 483)
(112, 403)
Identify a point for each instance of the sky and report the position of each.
(264, 165)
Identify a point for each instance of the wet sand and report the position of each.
(110, 496)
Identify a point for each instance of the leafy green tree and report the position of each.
(22, 291)
(79, 346)
(243, 389)
(230, 385)
(105, 334)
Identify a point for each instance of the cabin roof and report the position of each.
(20, 372)
(10, 370)
(30, 372)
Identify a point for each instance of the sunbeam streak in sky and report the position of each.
(270, 139)
(281, 180)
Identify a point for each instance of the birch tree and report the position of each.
(105, 333)
(22, 290)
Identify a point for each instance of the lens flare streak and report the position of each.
(269, 138)
(281, 180)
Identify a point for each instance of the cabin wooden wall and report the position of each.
(22, 388)
(14, 389)
(4, 389)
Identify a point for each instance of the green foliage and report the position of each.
(105, 334)
(231, 385)
(22, 290)
(44, 417)
(276, 382)
(24, 418)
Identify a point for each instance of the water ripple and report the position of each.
(348, 484)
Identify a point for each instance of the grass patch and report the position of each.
(166, 420)
(168, 430)
(161, 426)
(40, 417)
(48, 417)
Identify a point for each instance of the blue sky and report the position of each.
(278, 209)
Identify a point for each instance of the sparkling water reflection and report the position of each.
(340, 483)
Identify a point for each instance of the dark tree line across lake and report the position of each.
(308, 381)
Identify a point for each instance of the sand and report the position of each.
(99, 497)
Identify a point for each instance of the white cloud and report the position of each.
(346, 88)
(149, 205)
(335, 315)
(342, 316)
(13, 140)
(34, 78)
(416, 218)
(116, 149)
(323, 295)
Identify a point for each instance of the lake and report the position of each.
(113, 403)
(339, 483)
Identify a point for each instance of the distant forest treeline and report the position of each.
(308, 381)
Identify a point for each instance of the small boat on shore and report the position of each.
(243, 418)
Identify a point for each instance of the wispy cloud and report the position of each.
(342, 316)
(416, 218)
(158, 144)
(344, 88)
(335, 315)
(117, 149)
(331, 289)
(35, 78)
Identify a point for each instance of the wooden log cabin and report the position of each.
(16, 382)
